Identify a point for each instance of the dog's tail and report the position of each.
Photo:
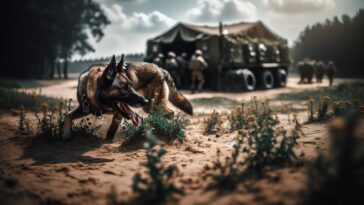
(176, 97)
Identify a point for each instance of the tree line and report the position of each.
(38, 34)
(78, 66)
(340, 39)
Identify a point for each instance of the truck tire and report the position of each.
(267, 79)
(250, 81)
(231, 81)
(281, 78)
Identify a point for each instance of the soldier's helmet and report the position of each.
(198, 52)
(184, 55)
(160, 55)
(171, 54)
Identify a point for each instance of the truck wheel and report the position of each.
(267, 79)
(231, 82)
(249, 80)
(281, 78)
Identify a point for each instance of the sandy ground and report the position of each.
(82, 171)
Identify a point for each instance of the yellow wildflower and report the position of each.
(238, 109)
(45, 108)
(337, 125)
(312, 100)
(250, 118)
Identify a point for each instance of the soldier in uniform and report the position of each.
(301, 68)
(159, 60)
(172, 67)
(310, 66)
(183, 69)
(319, 71)
(197, 65)
(331, 69)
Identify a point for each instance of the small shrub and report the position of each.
(50, 122)
(159, 182)
(324, 105)
(260, 141)
(213, 123)
(268, 144)
(237, 119)
(23, 123)
(47, 125)
(170, 129)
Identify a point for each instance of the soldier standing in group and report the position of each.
(183, 69)
(319, 71)
(197, 65)
(301, 71)
(159, 60)
(172, 67)
(310, 66)
(331, 69)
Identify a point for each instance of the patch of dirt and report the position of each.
(83, 170)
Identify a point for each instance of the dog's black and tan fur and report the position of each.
(110, 89)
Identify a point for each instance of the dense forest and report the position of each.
(340, 39)
(38, 34)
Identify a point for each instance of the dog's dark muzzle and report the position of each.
(136, 102)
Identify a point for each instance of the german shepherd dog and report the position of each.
(111, 89)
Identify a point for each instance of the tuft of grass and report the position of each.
(213, 123)
(49, 122)
(237, 118)
(24, 127)
(169, 129)
(12, 99)
(336, 177)
(158, 185)
(326, 109)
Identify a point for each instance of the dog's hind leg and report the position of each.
(161, 101)
(67, 123)
(116, 120)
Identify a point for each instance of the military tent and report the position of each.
(187, 38)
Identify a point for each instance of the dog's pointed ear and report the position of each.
(120, 66)
(109, 73)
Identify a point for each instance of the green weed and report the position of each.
(159, 182)
(261, 143)
(169, 129)
(213, 123)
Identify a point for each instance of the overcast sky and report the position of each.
(134, 21)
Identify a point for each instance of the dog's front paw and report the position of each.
(66, 131)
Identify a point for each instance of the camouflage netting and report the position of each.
(250, 32)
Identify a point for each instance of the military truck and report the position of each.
(241, 57)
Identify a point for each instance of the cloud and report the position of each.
(226, 10)
(138, 21)
(154, 21)
(298, 6)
